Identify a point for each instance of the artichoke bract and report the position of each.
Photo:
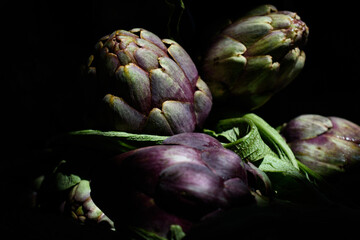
(327, 145)
(178, 183)
(148, 84)
(255, 57)
(83, 209)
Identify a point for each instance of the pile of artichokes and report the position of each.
(155, 170)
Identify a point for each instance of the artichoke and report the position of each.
(149, 85)
(83, 209)
(178, 183)
(67, 194)
(255, 57)
(327, 145)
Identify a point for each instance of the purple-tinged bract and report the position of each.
(187, 178)
(83, 209)
(148, 85)
(327, 145)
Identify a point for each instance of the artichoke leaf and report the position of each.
(274, 140)
(244, 139)
(272, 163)
(108, 140)
(251, 133)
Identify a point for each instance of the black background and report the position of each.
(45, 42)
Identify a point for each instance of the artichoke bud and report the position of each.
(82, 208)
(148, 84)
(178, 183)
(255, 56)
(327, 145)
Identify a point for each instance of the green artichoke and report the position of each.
(68, 195)
(327, 145)
(149, 85)
(255, 57)
(83, 209)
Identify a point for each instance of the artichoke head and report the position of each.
(178, 183)
(255, 56)
(327, 145)
(83, 209)
(148, 84)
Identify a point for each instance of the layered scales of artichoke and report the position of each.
(150, 85)
(256, 56)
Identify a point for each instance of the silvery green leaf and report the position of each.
(245, 140)
(108, 140)
(274, 140)
(272, 163)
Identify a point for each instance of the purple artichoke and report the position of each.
(188, 177)
(327, 145)
(148, 84)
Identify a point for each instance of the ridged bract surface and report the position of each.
(188, 177)
(327, 145)
(255, 57)
(149, 85)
